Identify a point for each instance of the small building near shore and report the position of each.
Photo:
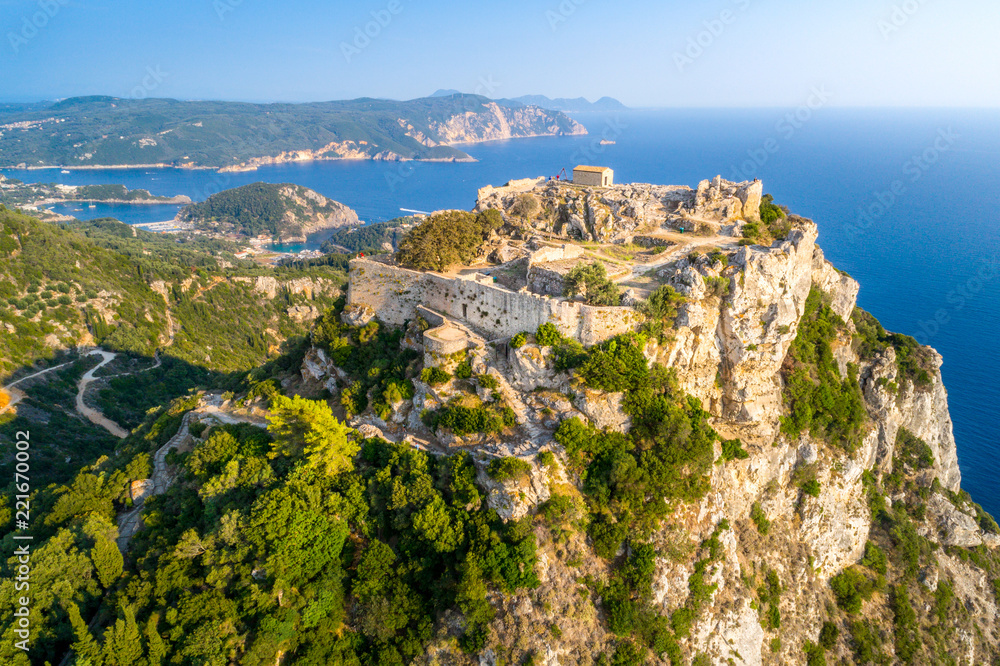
(593, 176)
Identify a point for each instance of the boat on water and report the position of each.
(92, 206)
(64, 171)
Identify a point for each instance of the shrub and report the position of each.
(828, 635)
(718, 256)
(518, 341)
(906, 631)
(912, 451)
(547, 459)
(717, 286)
(769, 211)
(616, 365)
(943, 597)
(487, 381)
(463, 420)
(526, 206)
(815, 654)
(818, 399)
(769, 593)
(627, 653)
(852, 587)
(548, 336)
(591, 280)
(867, 643)
(914, 362)
(434, 376)
(661, 309)
(874, 558)
(464, 370)
(811, 488)
(559, 510)
(760, 519)
(732, 449)
(508, 469)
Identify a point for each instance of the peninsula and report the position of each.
(103, 132)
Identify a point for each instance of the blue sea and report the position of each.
(907, 201)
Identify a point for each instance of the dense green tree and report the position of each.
(446, 239)
(309, 428)
(108, 561)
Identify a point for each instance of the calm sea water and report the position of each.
(906, 201)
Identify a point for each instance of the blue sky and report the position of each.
(729, 53)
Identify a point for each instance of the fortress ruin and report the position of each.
(488, 309)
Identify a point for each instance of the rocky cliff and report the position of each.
(495, 122)
(831, 527)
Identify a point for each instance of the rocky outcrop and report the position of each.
(335, 150)
(494, 122)
(309, 287)
(625, 212)
(841, 287)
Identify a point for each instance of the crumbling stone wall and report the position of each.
(486, 308)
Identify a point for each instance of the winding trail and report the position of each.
(164, 474)
(93, 415)
(17, 396)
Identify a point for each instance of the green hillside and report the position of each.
(279, 211)
(111, 131)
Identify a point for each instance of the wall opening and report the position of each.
(465, 311)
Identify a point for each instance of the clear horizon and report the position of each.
(729, 54)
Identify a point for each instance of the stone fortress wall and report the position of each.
(496, 313)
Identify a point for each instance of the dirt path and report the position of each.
(93, 415)
(17, 396)
(163, 474)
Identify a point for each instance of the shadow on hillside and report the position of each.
(62, 441)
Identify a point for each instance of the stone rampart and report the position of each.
(488, 309)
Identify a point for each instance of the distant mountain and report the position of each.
(571, 105)
(563, 104)
(88, 132)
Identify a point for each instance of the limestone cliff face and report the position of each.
(335, 150)
(730, 342)
(496, 122)
(308, 211)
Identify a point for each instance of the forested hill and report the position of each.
(133, 291)
(88, 131)
(284, 212)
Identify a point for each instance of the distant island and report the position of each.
(566, 105)
(102, 132)
(283, 213)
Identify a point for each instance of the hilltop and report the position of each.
(286, 213)
(639, 424)
(88, 132)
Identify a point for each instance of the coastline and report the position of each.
(515, 138)
(179, 200)
(243, 168)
